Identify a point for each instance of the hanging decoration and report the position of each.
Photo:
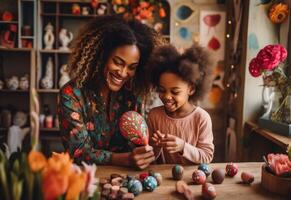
(278, 12)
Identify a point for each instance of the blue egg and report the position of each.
(150, 183)
(205, 168)
(184, 12)
(134, 186)
(183, 32)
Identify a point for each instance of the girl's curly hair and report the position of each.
(97, 39)
(194, 66)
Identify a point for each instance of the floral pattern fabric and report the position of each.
(89, 132)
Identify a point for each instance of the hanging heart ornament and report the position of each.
(134, 128)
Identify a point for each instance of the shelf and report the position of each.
(280, 140)
(8, 22)
(16, 49)
(68, 15)
(55, 51)
(48, 90)
(73, 1)
(13, 91)
(27, 37)
(49, 129)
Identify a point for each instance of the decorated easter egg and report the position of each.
(158, 177)
(247, 177)
(231, 169)
(218, 176)
(198, 177)
(143, 175)
(208, 191)
(134, 186)
(177, 172)
(150, 183)
(205, 168)
(134, 128)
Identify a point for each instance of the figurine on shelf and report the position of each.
(65, 38)
(76, 9)
(7, 16)
(16, 132)
(64, 75)
(85, 10)
(8, 37)
(47, 80)
(24, 82)
(49, 37)
(12, 83)
(102, 9)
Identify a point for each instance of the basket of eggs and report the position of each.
(276, 173)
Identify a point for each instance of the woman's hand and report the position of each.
(142, 156)
(172, 144)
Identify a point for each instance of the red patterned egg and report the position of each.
(247, 177)
(134, 128)
(231, 169)
(208, 191)
(198, 177)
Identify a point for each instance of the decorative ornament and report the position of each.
(135, 187)
(177, 172)
(278, 12)
(7, 16)
(49, 37)
(158, 177)
(247, 177)
(24, 82)
(76, 9)
(65, 38)
(94, 3)
(208, 191)
(205, 168)
(12, 83)
(64, 75)
(134, 128)
(47, 81)
(198, 177)
(8, 37)
(143, 176)
(150, 183)
(218, 176)
(231, 169)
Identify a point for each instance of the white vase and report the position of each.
(47, 81)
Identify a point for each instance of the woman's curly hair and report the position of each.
(194, 66)
(96, 41)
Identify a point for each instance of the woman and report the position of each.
(107, 68)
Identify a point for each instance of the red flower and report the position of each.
(68, 90)
(90, 126)
(270, 56)
(75, 116)
(254, 68)
(280, 163)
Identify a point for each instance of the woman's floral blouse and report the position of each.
(88, 133)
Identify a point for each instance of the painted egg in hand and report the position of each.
(134, 128)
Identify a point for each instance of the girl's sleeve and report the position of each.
(204, 150)
(73, 128)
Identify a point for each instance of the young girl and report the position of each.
(179, 129)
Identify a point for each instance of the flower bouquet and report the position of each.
(276, 173)
(33, 176)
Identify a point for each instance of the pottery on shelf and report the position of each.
(47, 80)
(65, 38)
(64, 75)
(12, 83)
(49, 37)
(24, 82)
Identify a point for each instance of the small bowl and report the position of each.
(275, 184)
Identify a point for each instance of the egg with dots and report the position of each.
(134, 128)
(198, 177)
(231, 169)
(247, 178)
(208, 191)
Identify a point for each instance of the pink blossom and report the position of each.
(91, 181)
(75, 116)
(280, 163)
(254, 68)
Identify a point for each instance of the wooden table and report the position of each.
(231, 188)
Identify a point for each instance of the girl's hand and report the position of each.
(157, 138)
(142, 156)
(173, 144)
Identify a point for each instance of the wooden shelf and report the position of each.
(280, 140)
(48, 90)
(68, 15)
(55, 51)
(8, 22)
(14, 91)
(16, 49)
(49, 129)
(73, 1)
(27, 37)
